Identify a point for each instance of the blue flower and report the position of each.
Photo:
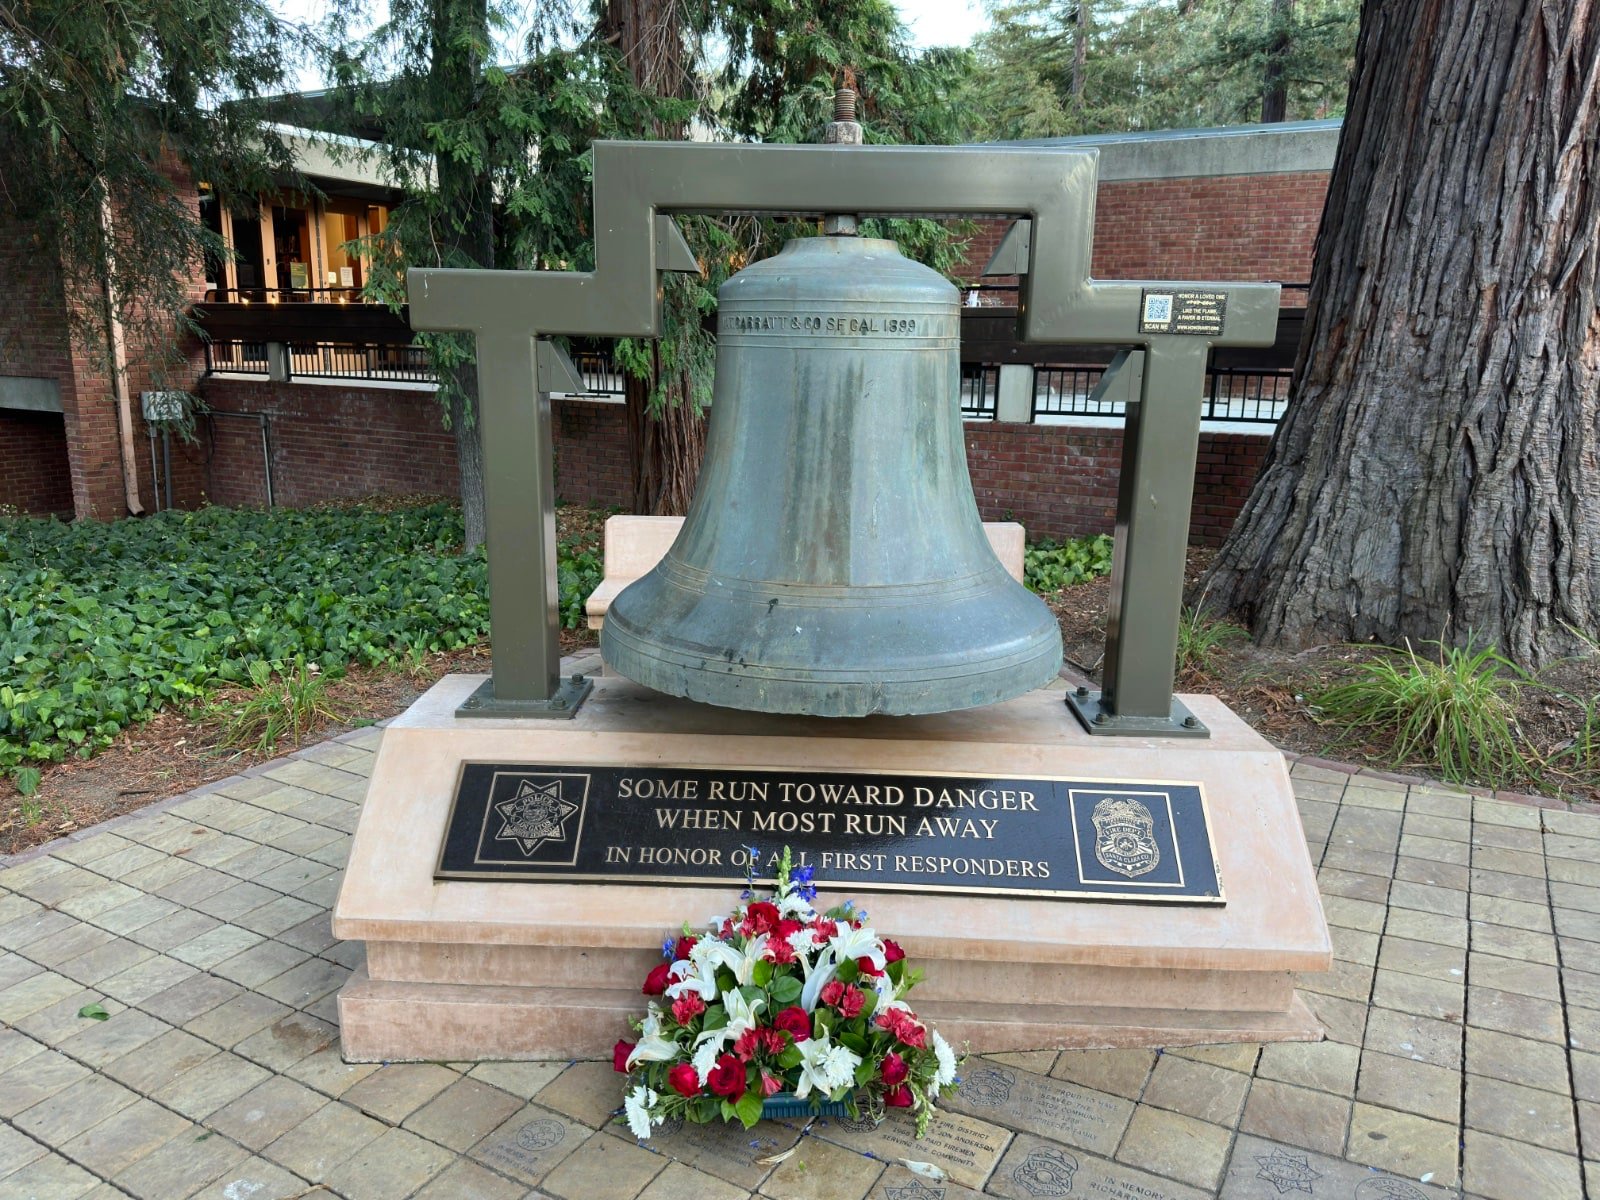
(667, 947)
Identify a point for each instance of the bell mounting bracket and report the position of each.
(1050, 194)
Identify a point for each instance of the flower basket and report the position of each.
(781, 1011)
(787, 1104)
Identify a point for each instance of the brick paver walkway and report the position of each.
(1463, 1051)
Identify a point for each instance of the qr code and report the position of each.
(1157, 310)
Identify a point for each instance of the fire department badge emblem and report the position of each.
(1124, 837)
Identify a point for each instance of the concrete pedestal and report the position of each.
(460, 970)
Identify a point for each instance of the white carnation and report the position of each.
(946, 1074)
(637, 1106)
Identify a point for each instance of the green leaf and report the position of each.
(94, 1012)
(786, 989)
(749, 1108)
(27, 780)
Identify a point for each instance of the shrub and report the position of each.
(1050, 566)
(1456, 714)
(101, 624)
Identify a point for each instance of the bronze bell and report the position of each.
(833, 562)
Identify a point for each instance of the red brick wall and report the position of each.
(1061, 480)
(34, 475)
(591, 453)
(1216, 227)
(1249, 227)
(344, 442)
(332, 443)
(37, 339)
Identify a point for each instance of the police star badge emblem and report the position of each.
(1124, 837)
(536, 814)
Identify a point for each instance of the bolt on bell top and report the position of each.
(833, 562)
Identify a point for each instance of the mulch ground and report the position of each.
(1270, 689)
(1273, 691)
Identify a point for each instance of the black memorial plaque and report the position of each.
(1169, 310)
(880, 831)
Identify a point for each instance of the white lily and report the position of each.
(705, 1058)
(826, 1066)
(850, 942)
(704, 960)
(741, 1019)
(818, 975)
(637, 1106)
(652, 1046)
(754, 951)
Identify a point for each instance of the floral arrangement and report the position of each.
(779, 998)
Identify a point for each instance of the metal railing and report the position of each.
(333, 360)
(1248, 395)
(980, 391)
(1237, 394)
(239, 358)
(599, 371)
(1065, 391)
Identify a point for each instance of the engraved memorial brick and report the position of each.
(965, 1149)
(1036, 1104)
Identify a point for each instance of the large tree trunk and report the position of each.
(460, 37)
(1080, 52)
(1275, 87)
(1437, 473)
(665, 445)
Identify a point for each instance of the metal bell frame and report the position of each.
(637, 185)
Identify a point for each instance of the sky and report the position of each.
(943, 22)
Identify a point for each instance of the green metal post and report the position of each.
(514, 427)
(1160, 442)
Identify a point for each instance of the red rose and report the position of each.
(685, 944)
(898, 1097)
(619, 1056)
(761, 917)
(687, 1007)
(655, 983)
(891, 951)
(867, 967)
(727, 1078)
(794, 1021)
(685, 1080)
(894, 1070)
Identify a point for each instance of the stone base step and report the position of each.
(389, 1021)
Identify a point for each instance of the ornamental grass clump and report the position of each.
(1456, 714)
(778, 999)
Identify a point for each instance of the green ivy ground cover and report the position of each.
(101, 624)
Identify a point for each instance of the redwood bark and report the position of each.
(1275, 87)
(665, 445)
(460, 32)
(1436, 474)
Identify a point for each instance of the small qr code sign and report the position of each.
(1194, 313)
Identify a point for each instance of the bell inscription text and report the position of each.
(1054, 838)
